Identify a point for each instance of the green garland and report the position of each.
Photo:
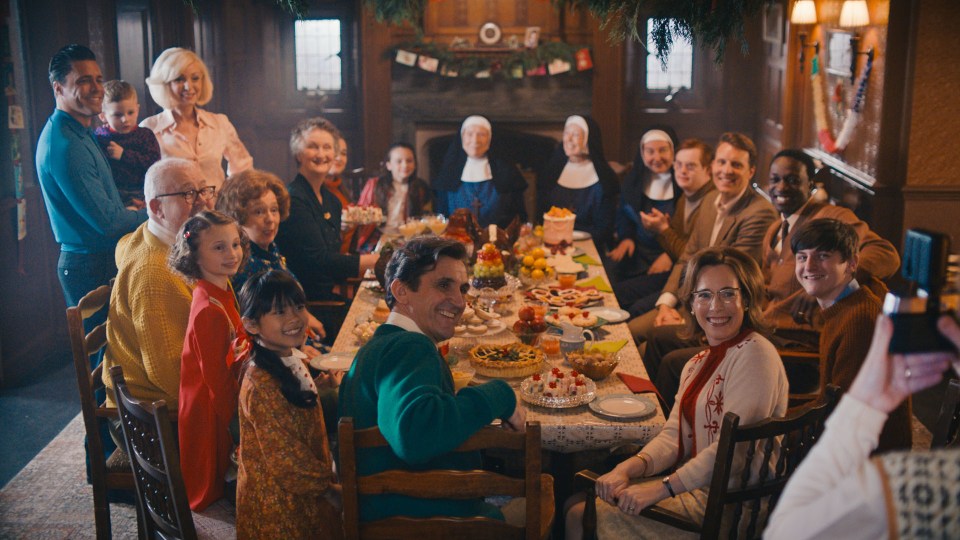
(297, 8)
(466, 64)
(708, 23)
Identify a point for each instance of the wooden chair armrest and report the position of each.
(670, 518)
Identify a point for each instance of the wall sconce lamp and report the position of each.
(804, 13)
(854, 14)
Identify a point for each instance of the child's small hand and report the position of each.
(329, 379)
(114, 150)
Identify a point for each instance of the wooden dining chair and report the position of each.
(106, 473)
(743, 492)
(446, 484)
(803, 374)
(948, 421)
(155, 458)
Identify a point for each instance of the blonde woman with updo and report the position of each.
(180, 83)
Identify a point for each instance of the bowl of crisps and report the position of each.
(594, 363)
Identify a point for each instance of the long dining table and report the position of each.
(562, 430)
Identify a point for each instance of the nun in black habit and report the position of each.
(470, 178)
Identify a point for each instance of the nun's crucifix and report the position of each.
(476, 208)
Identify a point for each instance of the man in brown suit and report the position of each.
(734, 215)
(789, 309)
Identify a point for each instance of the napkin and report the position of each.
(638, 385)
(609, 346)
(586, 259)
(597, 282)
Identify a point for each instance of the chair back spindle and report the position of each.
(151, 443)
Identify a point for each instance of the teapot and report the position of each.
(574, 338)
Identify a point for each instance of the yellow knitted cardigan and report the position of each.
(149, 311)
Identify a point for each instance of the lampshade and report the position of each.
(854, 13)
(804, 12)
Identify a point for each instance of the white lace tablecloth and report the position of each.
(563, 430)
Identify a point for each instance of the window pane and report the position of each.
(679, 72)
(317, 45)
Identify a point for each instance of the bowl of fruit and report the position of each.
(534, 269)
(529, 326)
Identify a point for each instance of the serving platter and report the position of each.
(557, 402)
(622, 406)
(581, 235)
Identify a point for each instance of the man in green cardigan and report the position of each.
(400, 383)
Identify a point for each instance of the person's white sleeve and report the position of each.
(836, 492)
(669, 299)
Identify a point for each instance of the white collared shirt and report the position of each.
(165, 236)
(217, 140)
(401, 320)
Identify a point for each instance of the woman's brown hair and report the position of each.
(749, 276)
(241, 188)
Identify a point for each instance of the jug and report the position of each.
(574, 338)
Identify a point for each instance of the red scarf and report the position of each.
(688, 403)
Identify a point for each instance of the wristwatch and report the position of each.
(666, 482)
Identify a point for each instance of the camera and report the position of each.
(932, 275)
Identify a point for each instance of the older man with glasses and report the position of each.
(150, 304)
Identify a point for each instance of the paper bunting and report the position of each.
(406, 58)
(537, 71)
(428, 64)
(558, 66)
(584, 62)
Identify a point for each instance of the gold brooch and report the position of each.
(326, 215)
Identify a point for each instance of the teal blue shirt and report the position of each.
(85, 209)
(400, 383)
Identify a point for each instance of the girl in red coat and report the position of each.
(209, 249)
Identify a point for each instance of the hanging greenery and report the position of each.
(707, 23)
(297, 8)
(468, 63)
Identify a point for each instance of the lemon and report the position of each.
(524, 270)
(536, 274)
(528, 260)
(540, 263)
(537, 253)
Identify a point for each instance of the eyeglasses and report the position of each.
(705, 297)
(191, 195)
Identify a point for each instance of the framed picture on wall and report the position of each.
(773, 23)
(838, 53)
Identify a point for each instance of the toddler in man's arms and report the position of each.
(131, 149)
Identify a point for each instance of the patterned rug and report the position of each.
(50, 499)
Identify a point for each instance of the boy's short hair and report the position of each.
(826, 234)
(118, 90)
(706, 151)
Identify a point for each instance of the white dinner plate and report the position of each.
(581, 235)
(610, 314)
(340, 361)
(622, 406)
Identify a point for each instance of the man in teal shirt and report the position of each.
(86, 213)
(400, 383)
